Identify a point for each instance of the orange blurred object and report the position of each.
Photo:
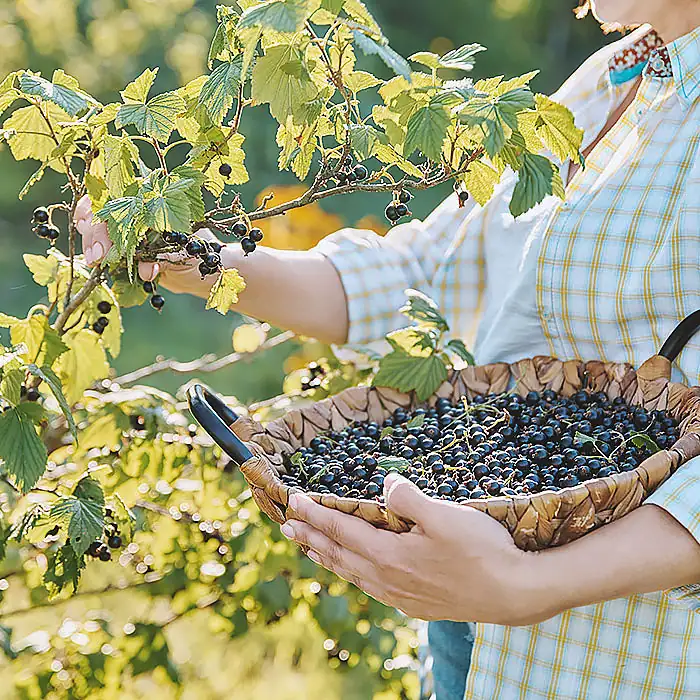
(303, 228)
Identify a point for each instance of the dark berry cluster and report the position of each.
(100, 549)
(399, 206)
(494, 445)
(42, 226)
(249, 237)
(208, 252)
(30, 394)
(100, 325)
(157, 300)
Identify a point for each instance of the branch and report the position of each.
(92, 283)
(205, 364)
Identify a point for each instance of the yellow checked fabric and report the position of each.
(607, 274)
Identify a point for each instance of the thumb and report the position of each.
(405, 499)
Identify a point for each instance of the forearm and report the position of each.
(647, 550)
(299, 291)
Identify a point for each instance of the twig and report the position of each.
(205, 364)
(92, 283)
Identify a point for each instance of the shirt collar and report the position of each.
(643, 52)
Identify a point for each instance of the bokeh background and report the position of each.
(105, 43)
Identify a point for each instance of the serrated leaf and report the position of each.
(28, 521)
(496, 125)
(461, 58)
(155, 118)
(11, 384)
(480, 181)
(386, 432)
(393, 60)
(225, 291)
(33, 179)
(416, 421)
(169, 210)
(427, 130)
(8, 92)
(63, 568)
(281, 79)
(422, 309)
(218, 45)
(556, 127)
(393, 464)
(68, 100)
(455, 92)
(582, 439)
(118, 160)
(83, 511)
(21, 447)
(280, 15)
(54, 383)
(414, 341)
(220, 90)
(129, 294)
(97, 190)
(32, 137)
(642, 440)
(363, 139)
(43, 268)
(83, 364)
(406, 373)
(361, 80)
(137, 90)
(537, 178)
(427, 59)
(458, 347)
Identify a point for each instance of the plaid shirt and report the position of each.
(607, 274)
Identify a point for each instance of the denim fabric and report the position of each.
(451, 648)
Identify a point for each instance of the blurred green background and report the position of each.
(105, 43)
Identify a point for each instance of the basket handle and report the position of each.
(680, 337)
(217, 418)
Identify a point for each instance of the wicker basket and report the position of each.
(536, 521)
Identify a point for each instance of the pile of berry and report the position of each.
(495, 445)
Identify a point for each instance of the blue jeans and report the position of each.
(451, 648)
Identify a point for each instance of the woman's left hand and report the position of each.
(456, 563)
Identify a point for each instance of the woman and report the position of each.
(607, 274)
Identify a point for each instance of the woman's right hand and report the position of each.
(180, 278)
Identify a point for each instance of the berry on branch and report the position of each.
(40, 215)
(225, 170)
(53, 234)
(157, 302)
(361, 172)
(256, 235)
(195, 247)
(405, 196)
(240, 229)
(42, 230)
(248, 246)
(391, 213)
(104, 307)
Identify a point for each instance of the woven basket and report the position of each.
(535, 521)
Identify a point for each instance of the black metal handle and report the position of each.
(216, 418)
(681, 336)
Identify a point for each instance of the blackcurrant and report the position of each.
(94, 549)
(148, 287)
(182, 238)
(215, 246)
(33, 394)
(53, 234)
(195, 247)
(40, 215)
(391, 213)
(463, 197)
(240, 229)
(98, 328)
(352, 177)
(225, 170)
(343, 178)
(170, 237)
(248, 246)
(104, 307)
(157, 302)
(405, 196)
(213, 260)
(204, 269)
(401, 210)
(256, 235)
(114, 542)
(360, 172)
(104, 554)
(102, 321)
(42, 230)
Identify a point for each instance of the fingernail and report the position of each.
(391, 478)
(88, 255)
(98, 252)
(287, 531)
(314, 557)
(82, 226)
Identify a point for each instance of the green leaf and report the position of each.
(30, 135)
(427, 130)
(54, 383)
(363, 139)
(458, 347)
(155, 118)
(480, 181)
(537, 178)
(83, 364)
(119, 154)
(414, 341)
(43, 268)
(483, 113)
(6, 641)
(381, 48)
(582, 439)
(128, 293)
(422, 309)
(28, 521)
(8, 91)
(225, 291)
(169, 209)
(388, 430)
(137, 91)
(218, 44)
(68, 100)
(281, 79)
(279, 15)
(21, 448)
(642, 440)
(83, 511)
(393, 464)
(556, 127)
(221, 88)
(461, 58)
(407, 373)
(361, 80)
(416, 421)
(11, 385)
(427, 59)
(63, 568)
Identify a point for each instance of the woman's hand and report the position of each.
(183, 278)
(455, 564)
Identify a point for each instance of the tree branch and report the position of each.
(92, 283)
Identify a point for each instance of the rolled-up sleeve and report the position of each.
(680, 497)
(376, 270)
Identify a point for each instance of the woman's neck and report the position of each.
(676, 25)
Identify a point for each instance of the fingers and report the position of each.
(346, 530)
(148, 271)
(96, 241)
(405, 499)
